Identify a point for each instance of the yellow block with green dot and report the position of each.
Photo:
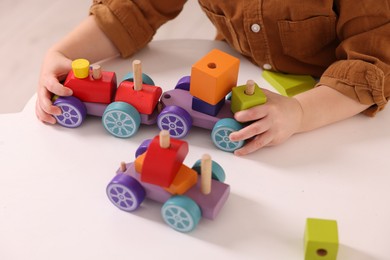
(321, 239)
(289, 84)
(241, 101)
(80, 68)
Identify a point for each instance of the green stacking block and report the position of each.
(288, 84)
(321, 239)
(241, 101)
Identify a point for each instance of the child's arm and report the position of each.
(357, 82)
(281, 117)
(85, 41)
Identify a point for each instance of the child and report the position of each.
(344, 42)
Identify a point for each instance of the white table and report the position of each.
(52, 185)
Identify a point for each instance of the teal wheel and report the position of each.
(121, 119)
(220, 134)
(181, 213)
(217, 171)
(145, 78)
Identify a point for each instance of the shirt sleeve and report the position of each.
(363, 57)
(131, 24)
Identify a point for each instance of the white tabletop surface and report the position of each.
(52, 184)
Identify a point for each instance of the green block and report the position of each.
(321, 239)
(288, 84)
(241, 101)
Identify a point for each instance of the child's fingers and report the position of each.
(42, 115)
(255, 144)
(251, 130)
(45, 104)
(251, 114)
(52, 85)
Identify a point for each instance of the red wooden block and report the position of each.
(162, 164)
(93, 90)
(144, 100)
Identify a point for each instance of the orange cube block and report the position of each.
(213, 76)
(161, 165)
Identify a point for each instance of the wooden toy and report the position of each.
(95, 93)
(321, 239)
(88, 89)
(247, 96)
(206, 108)
(288, 84)
(213, 76)
(142, 96)
(163, 151)
(139, 101)
(184, 204)
(177, 116)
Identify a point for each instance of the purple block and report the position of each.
(184, 83)
(206, 108)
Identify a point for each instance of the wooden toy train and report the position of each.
(158, 173)
(197, 100)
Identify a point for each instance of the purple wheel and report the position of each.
(184, 83)
(73, 111)
(125, 192)
(143, 147)
(176, 120)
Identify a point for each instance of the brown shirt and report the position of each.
(344, 42)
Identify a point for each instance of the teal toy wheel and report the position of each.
(181, 213)
(121, 119)
(217, 172)
(220, 134)
(145, 78)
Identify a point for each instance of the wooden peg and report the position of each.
(164, 139)
(206, 174)
(123, 167)
(137, 75)
(250, 87)
(96, 72)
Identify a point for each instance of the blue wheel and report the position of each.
(220, 134)
(184, 83)
(125, 192)
(73, 111)
(181, 213)
(217, 171)
(145, 78)
(121, 119)
(176, 120)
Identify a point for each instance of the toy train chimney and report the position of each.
(96, 72)
(206, 174)
(164, 139)
(80, 68)
(137, 75)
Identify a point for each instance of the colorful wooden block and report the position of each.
(161, 165)
(213, 76)
(184, 179)
(321, 239)
(88, 89)
(144, 100)
(206, 108)
(242, 99)
(288, 84)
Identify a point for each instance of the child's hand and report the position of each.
(273, 122)
(55, 67)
